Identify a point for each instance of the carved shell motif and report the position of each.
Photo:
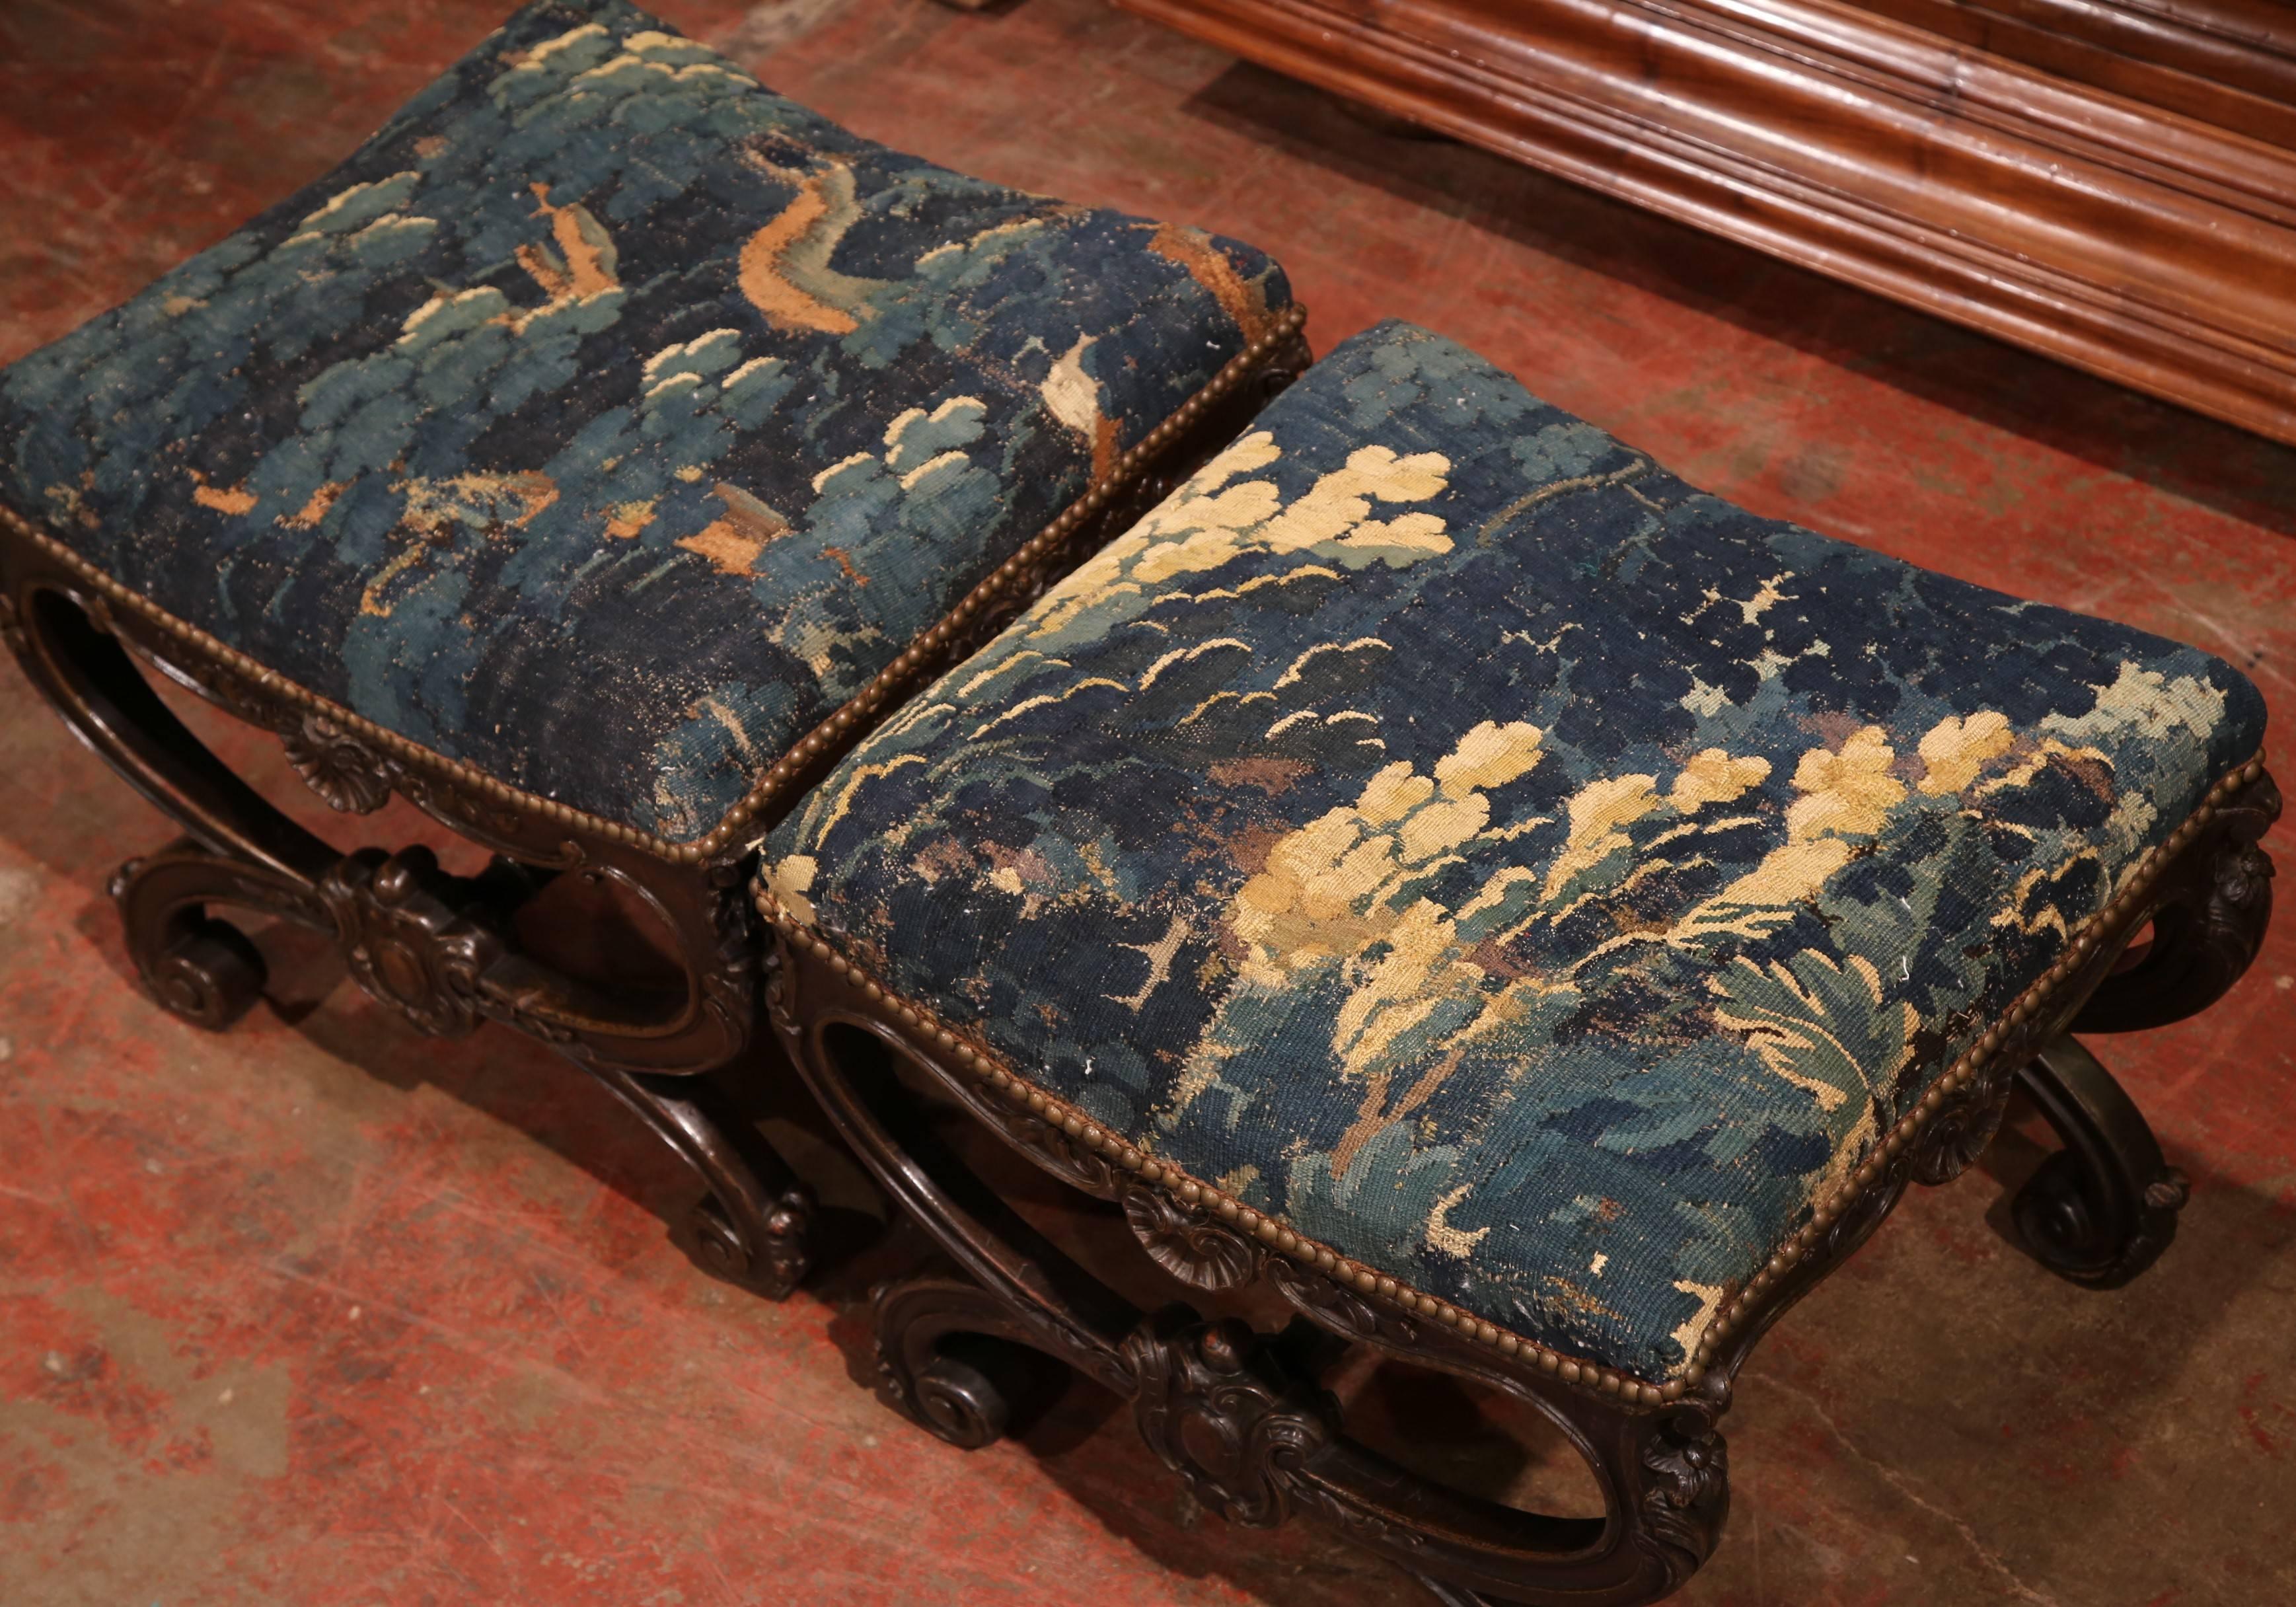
(338, 766)
(1193, 1249)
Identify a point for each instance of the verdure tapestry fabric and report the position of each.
(1449, 832)
(607, 419)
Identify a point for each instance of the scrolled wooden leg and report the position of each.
(751, 1228)
(950, 1397)
(2102, 1209)
(201, 969)
(209, 974)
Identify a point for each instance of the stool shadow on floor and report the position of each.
(2053, 1426)
(522, 1084)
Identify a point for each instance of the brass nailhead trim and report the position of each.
(868, 702)
(986, 1065)
(2102, 925)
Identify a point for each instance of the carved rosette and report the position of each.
(1960, 1132)
(1195, 1246)
(1218, 1409)
(342, 769)
(2239, 903)
(2243, 875)
(407, 941)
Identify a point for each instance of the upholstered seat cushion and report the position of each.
(606, 421)
(1455, 836)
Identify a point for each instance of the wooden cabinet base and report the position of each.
(2099, 181)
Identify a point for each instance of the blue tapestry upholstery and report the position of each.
(607, 419)
(1462, 841)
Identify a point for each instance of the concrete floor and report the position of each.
(319, 1312)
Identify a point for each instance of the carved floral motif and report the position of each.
(408, 941)
(1687, 1494)
(1960, 1132)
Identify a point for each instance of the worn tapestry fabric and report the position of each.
(1456, 837)
(607, 419)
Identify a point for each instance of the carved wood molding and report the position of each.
(2229, 62)
(1241, 1416)
(2125, 235)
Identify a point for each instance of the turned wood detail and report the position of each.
(2112, 183)
(2102, 1209)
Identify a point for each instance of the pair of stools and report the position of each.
(1403, 851)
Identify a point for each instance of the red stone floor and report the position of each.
(318, 1313)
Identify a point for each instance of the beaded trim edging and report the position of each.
(882, 689)
(990, 1069)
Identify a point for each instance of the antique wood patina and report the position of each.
(1241, 1416)
(443, 950)
(2110, 183)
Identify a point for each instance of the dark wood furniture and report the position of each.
(2109, 182)
(671, 992)
(1244, 1414)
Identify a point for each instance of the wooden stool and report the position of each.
(1441, 877)
(589, 459)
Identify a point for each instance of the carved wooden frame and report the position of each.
(441, 949)
(1241, 1416)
